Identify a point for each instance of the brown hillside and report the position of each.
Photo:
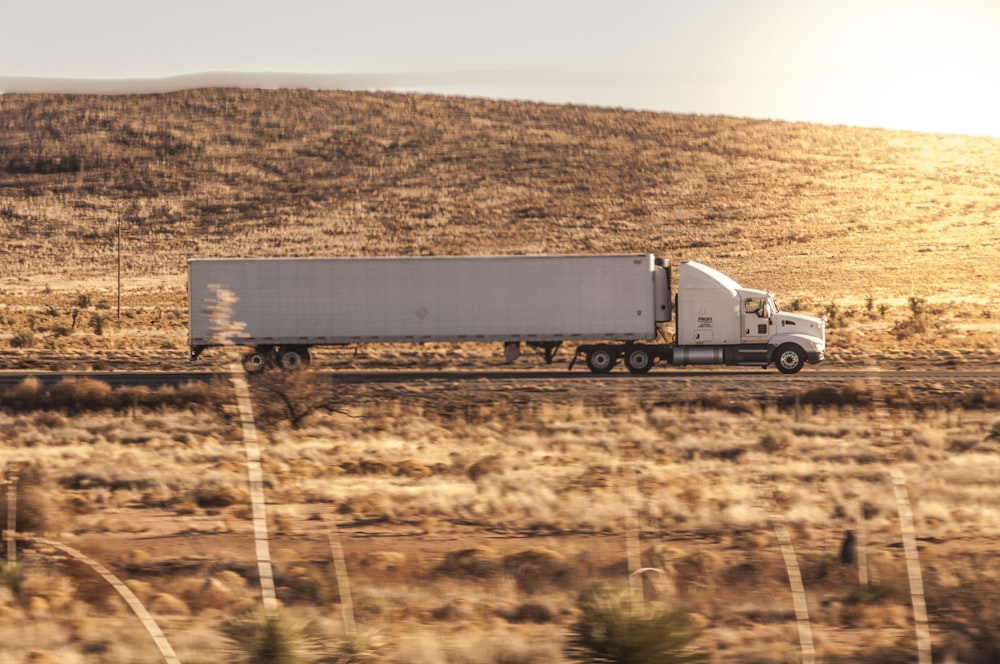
(808, 211)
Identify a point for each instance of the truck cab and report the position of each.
(720, 322)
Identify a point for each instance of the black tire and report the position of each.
(789, 359)
(600, 360)
(638, 360)
(254, 362)
(293, 358)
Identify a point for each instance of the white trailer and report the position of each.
(280, 308)
(285, 306)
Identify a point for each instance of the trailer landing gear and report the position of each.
(548, 348)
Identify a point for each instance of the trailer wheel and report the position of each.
(638, 360)
(293, 358)
(254, 362)
(789, 359)
(600, 360)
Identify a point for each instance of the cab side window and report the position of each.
(755, 306)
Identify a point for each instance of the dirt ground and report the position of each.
(472, 512)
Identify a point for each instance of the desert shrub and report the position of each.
(969, 613)
(485, 466)
(536, 569)
(309, 583)
(495, 647)
(222, 591)
(480, 562)
(530, 612)
(853, 393)
(97, 323)
(918, 323)
(74, 395)
(908, 328)
(89, 586)
(165, 604)
(614, 627)
(196, 392)
(212, 494)
(34, 509)
(983, 632)
(49, 419)
(34, 506)
(22, 339)
(411, 468)
(77, 394)
(384, 561)
(26, 395)
(985, 398)
(131, 396)
(775, 441)
(12, 578)
(211, 394)
(359, 648)
(899, 396)
(893, 589)
(832, 313)
(283, 638)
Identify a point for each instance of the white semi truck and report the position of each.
(616, 308)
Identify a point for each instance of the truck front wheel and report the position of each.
(789, 359)
(600, 360)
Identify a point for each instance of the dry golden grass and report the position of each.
(436, 551)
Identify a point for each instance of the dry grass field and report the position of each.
(470, 513)
(855, 223)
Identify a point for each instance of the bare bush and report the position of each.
(292, 396)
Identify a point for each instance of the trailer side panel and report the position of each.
(315, 301)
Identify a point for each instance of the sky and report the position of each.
(926, 65)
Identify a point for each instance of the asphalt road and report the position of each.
(807, 377)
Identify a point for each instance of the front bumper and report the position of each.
(815, 357)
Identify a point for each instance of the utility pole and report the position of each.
(11, 517)
(119, 268)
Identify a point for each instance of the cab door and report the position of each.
(757, 320)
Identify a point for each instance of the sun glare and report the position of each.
(922, 70)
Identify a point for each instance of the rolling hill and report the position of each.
(814, 212)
